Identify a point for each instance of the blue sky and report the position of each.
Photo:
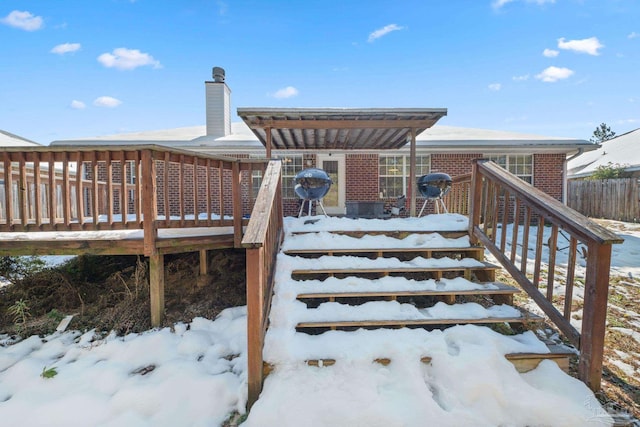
(79, 68)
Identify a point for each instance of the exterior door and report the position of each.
(333, 202)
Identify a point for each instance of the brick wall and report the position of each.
(362, 177)
(453, 164)
(547, 173)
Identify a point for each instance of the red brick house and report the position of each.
(367, 152)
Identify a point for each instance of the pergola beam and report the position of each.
(412, 173)
(341, 124)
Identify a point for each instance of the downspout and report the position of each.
(580, 151)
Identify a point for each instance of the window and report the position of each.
(256, 182)
(131, 172)
(291, 165)
(519, 165)
(393, 173)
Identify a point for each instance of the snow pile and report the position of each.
(442, 222)
(194, 375)
(467, 383)
(326, 240)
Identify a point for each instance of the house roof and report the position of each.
(338, 128)
(621, 150)
(8, 139)
(437, 139)
(455, 139)
(175, 136)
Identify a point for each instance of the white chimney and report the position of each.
(218, 105)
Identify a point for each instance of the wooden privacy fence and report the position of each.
(262, 241)
(503, 208)
(616, 199)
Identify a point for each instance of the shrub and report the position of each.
(13, 268)
(610, 171)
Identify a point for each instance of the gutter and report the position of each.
(580, 151)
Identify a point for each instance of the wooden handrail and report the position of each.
(573, 221)
(500, 199)
(262, 241)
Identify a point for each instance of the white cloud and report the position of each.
(106, 101)
(550, 53)
(553, 74)
(520, 78)
(589, 46)
(78, 105)
(633, 35)
(383, 31)
(61, 49)
(497, 4)
(286, 92)
(23, 20)
(626, 121)
(223, 7)
(127, 59)
(495, 86)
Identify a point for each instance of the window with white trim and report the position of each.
(291, 165)
(393, 174)
(520, 165)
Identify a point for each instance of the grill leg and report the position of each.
(322, 207)
(444, 208)
(301, 208)
(424, 205)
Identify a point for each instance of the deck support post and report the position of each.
(476, 198)
(268, 143)
(156, 288)
(150, 227)
(594, 318)
(204, 263)
(412, 174)
(255, 327)
(236, 186)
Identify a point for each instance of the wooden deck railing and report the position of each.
(457, 199)
(498, 199)
(118, 187)
(262, 242)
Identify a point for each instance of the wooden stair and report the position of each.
(422, 276)
(523, 362)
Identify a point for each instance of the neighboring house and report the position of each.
(10, 140)
(623, 150)
(367, 164)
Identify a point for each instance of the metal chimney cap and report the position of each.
(218, 74)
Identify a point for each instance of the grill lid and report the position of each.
(434, 185)
(312, 184)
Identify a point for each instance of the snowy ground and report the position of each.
(195, 374)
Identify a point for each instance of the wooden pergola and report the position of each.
(342, 129)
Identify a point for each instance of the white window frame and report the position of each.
(422, 167)
(511, 163)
